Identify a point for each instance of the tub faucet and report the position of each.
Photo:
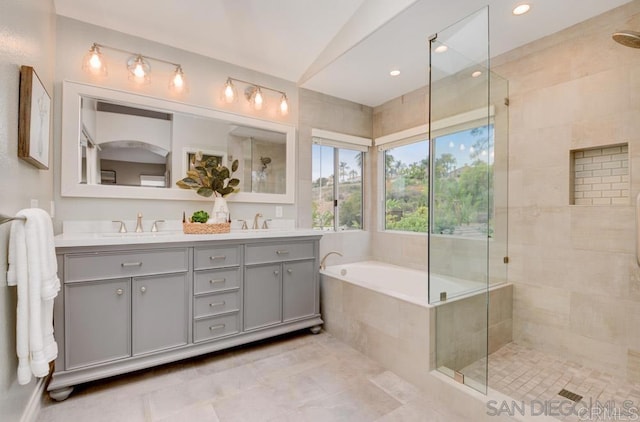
(324, 258)
(139, 223)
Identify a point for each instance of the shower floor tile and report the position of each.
(529, 375)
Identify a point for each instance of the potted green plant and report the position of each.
(210, 177)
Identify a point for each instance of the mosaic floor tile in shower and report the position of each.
(528, 375)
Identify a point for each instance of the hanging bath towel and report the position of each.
(33, 269)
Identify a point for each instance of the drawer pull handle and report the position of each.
(289, 270)
(217, 327)
(143, 289)
(119, 292)
(276, 272)
(213, 258)
(282, 252)
(221, 280)
(217, 304)
(131, 264)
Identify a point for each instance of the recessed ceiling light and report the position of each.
(521, 9)
(476, 74)
(441, 48)
(394, 72)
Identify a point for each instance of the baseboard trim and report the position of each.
(32, 410)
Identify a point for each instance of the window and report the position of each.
(462, 202)
(406, 169)
(463, 183)
(336, 183)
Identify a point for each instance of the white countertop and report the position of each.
(78, 234)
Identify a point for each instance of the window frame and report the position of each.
(340, 141)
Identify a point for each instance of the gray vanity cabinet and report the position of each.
(160, 307)
(281, 283)
(263, 296)
(129, 307)
(97, 322)
(299, 289)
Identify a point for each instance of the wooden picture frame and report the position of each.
(34, 121)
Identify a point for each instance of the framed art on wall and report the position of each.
(34, 123)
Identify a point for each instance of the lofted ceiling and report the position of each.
(285, 38)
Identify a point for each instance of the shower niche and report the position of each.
(600, 175)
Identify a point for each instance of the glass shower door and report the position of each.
(467, 210)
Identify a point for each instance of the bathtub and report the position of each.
(402, 283)
(382, 310)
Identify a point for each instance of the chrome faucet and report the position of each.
(324, 258)
(139, 223)
(255, 221)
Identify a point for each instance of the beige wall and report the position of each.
(577, 285)
(329, 113)
(27, 38)
(206, 78)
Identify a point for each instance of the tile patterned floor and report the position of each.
(525, 375)
(300, 377)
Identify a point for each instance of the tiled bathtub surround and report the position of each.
(601, 175)
(401, 335)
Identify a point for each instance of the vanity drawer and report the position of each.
(215, 304)
(216, 257)
(105, 265)
(220, 326)
(209, 281)
(276, 252)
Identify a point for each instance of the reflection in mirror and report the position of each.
(123, 145)
(262, 155)
(127, 146)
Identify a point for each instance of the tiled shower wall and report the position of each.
(577, 285)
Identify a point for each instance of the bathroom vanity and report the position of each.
(129, 303)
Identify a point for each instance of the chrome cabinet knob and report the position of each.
(143, 289)
(276, 272)
(119, 292)
(289, 270)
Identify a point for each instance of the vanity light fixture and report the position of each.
(521, 9)
(137, 64)
(255, 94)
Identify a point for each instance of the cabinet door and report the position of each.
(160, 312)
(97, 322)
(262, 296)
(299, 289)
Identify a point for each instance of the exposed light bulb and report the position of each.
(93, 62)
(394, 72)
(258, 99)
(476, 74)
(229, 92)
(284, 105)
(139, 70)
(178, 83)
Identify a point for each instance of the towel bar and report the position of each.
(6, 219)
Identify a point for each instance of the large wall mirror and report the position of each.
(118, 144)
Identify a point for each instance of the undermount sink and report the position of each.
(134, 234)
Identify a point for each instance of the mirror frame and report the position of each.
(70, 149)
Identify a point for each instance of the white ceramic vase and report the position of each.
(220, 212)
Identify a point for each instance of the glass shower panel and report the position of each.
(461, 213)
